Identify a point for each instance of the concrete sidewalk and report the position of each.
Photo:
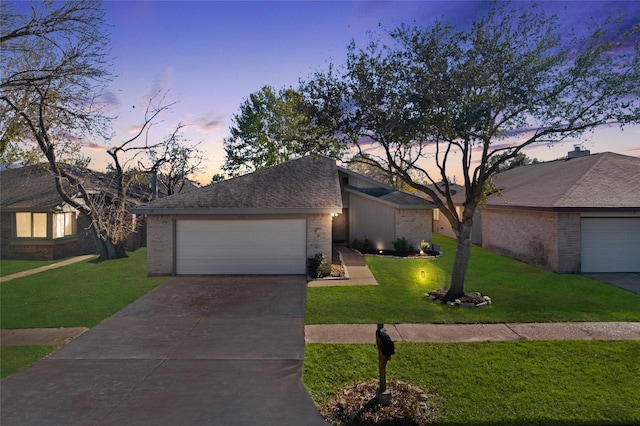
(46, 267)
(365, 333)
(356, 271)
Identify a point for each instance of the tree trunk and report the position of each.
(463, 251)
(106, 248)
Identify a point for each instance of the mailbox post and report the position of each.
(386, 348)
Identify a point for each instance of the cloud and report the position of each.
(207, 122)
(161, 83)
(109, 99)
(134, 130)
(84, 143)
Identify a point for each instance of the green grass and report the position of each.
(519, 383)
(16, 358)
(9, 267)
(78, 295)
(520, 293)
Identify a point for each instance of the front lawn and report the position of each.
(520, 293)
(509, 383)
(77, 295)
(16, 358)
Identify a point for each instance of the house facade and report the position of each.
(576, 215)
(270, 221)
(36, 224)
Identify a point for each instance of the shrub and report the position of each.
(362, 246)
(316, 265)
(400, 244)
(424, 246)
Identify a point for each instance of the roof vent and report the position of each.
(578, 152)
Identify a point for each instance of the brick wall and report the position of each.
(414, 225)
(45, 249)
(569, 243)
(546, 239)
(319, 238)
(160, 249)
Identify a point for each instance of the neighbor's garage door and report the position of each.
(275, 246)
(610, 244)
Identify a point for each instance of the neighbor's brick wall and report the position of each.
(160, 245)
(569, 243)
(414, 225)
(5, 234)
(319, 239)
(545, 239)
(45, 249)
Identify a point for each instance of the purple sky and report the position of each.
(211, 55)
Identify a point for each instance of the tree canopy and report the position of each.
(273, 127)
(435, 100)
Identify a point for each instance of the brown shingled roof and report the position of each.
(603, 181)
(33, 187)
(306, 184)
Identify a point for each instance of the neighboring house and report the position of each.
(441, 224)
(576, 215)
(272, 220)
(36, 224)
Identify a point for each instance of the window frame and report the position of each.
(34, 218)
(71, 224)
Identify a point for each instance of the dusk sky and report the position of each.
(211, 55)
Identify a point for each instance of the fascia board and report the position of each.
(174, 211)
(386, 202)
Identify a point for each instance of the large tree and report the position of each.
(433, 101)
(172, 161)
(55, 71)
(273, 127)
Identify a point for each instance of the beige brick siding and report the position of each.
(546, 239)
(319, 237)
(160, 245)
(569, 243)
(161, 240)
(414, 225)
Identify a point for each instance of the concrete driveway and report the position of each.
(627, 280)
(194, 351)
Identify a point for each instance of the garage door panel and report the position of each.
(241, 246)
(610, 244)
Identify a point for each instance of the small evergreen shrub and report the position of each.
(361, 246)
(316, 265)
(400, 244)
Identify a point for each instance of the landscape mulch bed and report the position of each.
(356, 405)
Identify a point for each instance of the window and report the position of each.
(31, 225)
(62, 225)
(436, 214)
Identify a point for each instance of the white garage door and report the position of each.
(610, 244)
(241, 246)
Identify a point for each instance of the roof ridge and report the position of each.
(574, 186)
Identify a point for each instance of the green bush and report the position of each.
(317, 265)
(400, 244)
(362, 246)
(424, 246)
